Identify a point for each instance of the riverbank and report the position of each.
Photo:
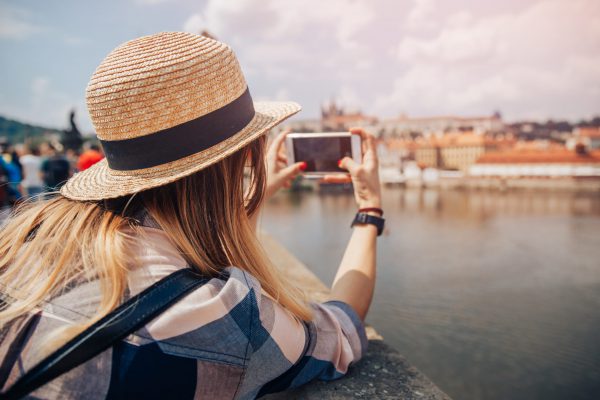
(382, 373)
(556, 184)
(566, 184)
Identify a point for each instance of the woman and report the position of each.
(179, 130)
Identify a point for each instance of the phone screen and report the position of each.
(322, 154)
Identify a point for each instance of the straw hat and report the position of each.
(165, 106)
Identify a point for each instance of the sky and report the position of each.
(528, 59)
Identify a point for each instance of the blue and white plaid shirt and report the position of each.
(226, 340)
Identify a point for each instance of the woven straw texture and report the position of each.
(158, 82)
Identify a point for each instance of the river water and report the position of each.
(493, 295)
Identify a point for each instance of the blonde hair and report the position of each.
(47, 247)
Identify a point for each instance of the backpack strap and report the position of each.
(115, 326)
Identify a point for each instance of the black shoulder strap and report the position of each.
(117, 325)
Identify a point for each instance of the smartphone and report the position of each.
(322, 151)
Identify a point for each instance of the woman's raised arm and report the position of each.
(355, 279)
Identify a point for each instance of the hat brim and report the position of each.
(100, 182)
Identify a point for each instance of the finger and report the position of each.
(280, 165)
(277, 141)
(282, 158)
(282, 151)
(292, 170)
(367, 139)
(337, 178)
(360, 132)
(349, 165)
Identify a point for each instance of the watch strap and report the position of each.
(364, 218)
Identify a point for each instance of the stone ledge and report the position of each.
(381, 374)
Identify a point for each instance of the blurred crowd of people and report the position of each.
(37, 170)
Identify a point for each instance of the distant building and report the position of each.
(335, 118)
(543, 163)
(587, 136)
(532, 130)
(456, 150)
(393, 151)
(405, 126)
(428, 154)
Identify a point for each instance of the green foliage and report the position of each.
(18, 132)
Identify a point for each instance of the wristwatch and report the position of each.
(364, 218)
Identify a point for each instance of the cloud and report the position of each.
(15, 23)
(272, 33)
(276, 20)
(348, 97)
(420, 16)
(537, 62)
(73, 40)
(195, 24)
(46, 105)
(49, 103)
(282, 94)
(309, 47)
(150, 2)
(526, 58)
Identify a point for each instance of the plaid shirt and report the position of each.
(226, 340)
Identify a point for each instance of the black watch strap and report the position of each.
(364, 218)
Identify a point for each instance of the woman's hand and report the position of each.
(279, 174)
(364, 176)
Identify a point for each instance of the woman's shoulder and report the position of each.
(156, 258)
(209, 323)
(212, 322)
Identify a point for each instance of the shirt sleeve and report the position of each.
(322, 348)
(284, 352)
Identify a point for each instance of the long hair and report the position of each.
(50, 246)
